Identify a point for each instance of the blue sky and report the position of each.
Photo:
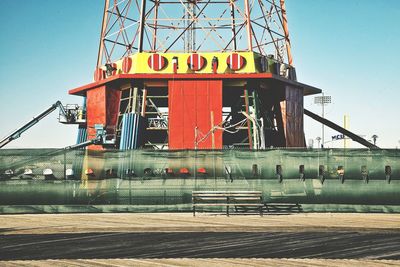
(349, 48)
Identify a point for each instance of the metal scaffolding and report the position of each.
(131, 26)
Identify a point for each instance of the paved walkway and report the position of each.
(211, 262)
(315, 245)
(185, 222)
(179, 239)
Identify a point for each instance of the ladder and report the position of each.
(250, 110)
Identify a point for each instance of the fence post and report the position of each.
(65, 164)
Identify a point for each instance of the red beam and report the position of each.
(82, 89)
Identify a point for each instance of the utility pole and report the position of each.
(374, 137)
(319, 141)
(322, 100)
(346, 126)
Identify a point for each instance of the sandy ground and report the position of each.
(312, 223)
(185, 222)
(207, 262)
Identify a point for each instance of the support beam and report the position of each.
(248, 25)
(103, 31)
(141, 25)
(233, 24)
(144, 101)
(340, 129)
(286, 31)
(155, 22)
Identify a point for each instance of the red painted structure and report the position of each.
(102, 108)
(195, 103)
(156, 62)
(232, 99)
(99, 74)
(126, 64)
(196, 62)
(195, 106)
(235, 61)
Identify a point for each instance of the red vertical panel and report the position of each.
(190, 105)
(96, 111)
(102, 105)
(203, 113)
(173, 115)
(189, 113)
(112, 108)
(210, 103)
(216, 106)
(175, 107)
(292, 111)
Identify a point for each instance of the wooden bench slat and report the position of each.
(228, 204)
(271, 207)
(210, 198)
(225, 192)
(224, 195)
(245, 198)
(227, 199)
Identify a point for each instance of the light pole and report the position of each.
(318, 140)
(323, 100)
(374, 137)
(310, 143)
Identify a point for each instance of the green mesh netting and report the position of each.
(50, 180)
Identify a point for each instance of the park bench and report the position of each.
(283, 207)
(251, 200)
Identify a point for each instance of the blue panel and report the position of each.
(82, 135)
(132, 131)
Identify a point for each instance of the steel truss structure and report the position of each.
(131, 26)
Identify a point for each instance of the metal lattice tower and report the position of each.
(196, 74)
(131, 26)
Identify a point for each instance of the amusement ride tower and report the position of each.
(175, 74)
